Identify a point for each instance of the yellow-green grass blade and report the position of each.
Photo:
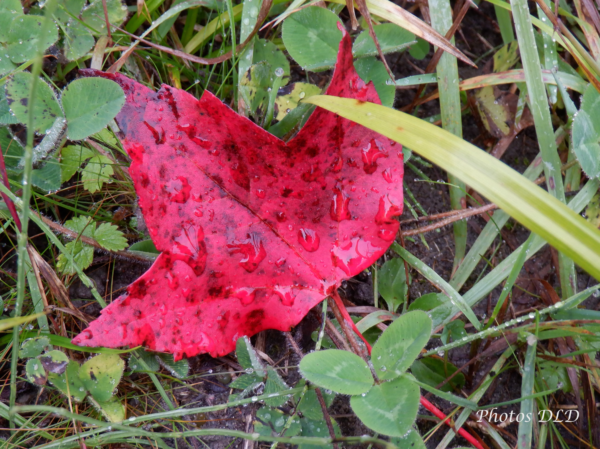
(530, 205)
(9, 323)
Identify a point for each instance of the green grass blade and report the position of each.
(454, 297)
(538, 102)
(447, 78)
(526, 426)
(475, 397)
(505, 23)
(23, 237)
(10, 323)
(489, 234)
(523, 200)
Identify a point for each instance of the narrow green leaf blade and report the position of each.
(523, 200)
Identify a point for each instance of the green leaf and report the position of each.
(26, 35)
(554, 376)
(371, 69)
(290, 96)
(454, 330)
(275, 421)
(245, 381)
(47, 178)
(113, 409)
(54, 361)
(312, 38)
(420, 49)
(411, 440)
(495, 112)
(533, 207)
(69, 383)
(275, 384)
(101, 374)
(389, 408)
(32, 347)
(391, 38)
(9, 9)
(110, 238)
(392, 282)
(592, 211)
(267, 51)
(6, 117)
(179, 369)
(6, 65)
(93, 15)
(248, 358)
(148, 357)
(317, 428)
(36, 374)
(45, 108)
(434, 371)
(78, 40)
(337, 370)
(428, 302)
(310, 406)
(72, 6)
(400, 344)
(586, 133)
(72, 157)
(506, 57)
(97, 171)
(82, 225)
(90, 104)
(253, 88)
(145, 247)
(83, 256)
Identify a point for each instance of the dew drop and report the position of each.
(309, 239)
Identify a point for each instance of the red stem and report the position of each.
(346, 315)
(462, 432)
(7, 200)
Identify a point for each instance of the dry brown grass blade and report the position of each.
(107, 21)
(74, 312)
(43, 268)
(262, 15)
(461, 215)
(395, 14)
(34, 257)
(353, 21)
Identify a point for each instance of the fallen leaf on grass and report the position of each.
(253, 232)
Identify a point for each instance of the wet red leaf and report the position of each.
(253, 231)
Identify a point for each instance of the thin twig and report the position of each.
(459, 215)
(326, 415)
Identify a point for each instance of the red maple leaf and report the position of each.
(253, 231)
